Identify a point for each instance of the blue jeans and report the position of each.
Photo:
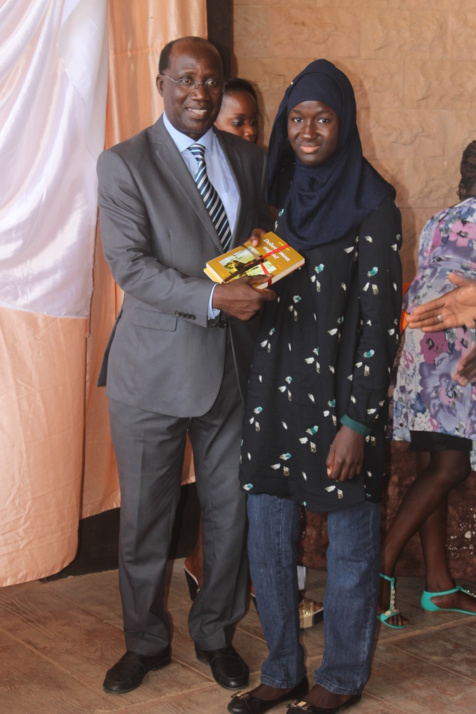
(350, 603)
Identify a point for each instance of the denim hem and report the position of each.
(331, 687)
(281, 685)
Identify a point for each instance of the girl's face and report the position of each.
(313, 130)
(239, 115)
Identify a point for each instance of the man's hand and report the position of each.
(346, 455)
(240, 299)
(456, 308)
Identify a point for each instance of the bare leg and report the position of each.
(433, 542)
(438, 473)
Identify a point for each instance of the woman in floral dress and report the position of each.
(432, 409)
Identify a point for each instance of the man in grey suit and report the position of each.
(178, 358)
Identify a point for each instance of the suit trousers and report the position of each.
(150, 448)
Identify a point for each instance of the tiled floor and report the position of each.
(58, 638)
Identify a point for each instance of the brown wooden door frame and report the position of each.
(219, 29)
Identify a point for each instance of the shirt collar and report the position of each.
(183, 142)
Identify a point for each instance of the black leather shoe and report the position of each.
(248, 704)
(306, 708)
(128, 673)
(227, 667)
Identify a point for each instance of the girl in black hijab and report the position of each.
(328, 199)
(316, 408)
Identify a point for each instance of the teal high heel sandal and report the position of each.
(430, 606)
(392, 610)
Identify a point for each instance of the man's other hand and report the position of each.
(239, 298)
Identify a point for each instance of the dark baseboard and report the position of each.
(98, 537)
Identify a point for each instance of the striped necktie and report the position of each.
(210, 197)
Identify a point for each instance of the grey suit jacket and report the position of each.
(164, 355)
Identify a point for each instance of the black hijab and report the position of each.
(323, 202)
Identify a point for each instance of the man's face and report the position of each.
(192, 110)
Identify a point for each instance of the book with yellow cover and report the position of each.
(272, 257)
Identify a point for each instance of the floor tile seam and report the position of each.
(19, 640)
(87, 609)
(415, 631)
(206, 686)
(435, 665)
(208, 679)
(381, 700)
(57, 665)
(139, 708)
(10, 593)
(250, 634)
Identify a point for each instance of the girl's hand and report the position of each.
(346, 455)
(256, 234)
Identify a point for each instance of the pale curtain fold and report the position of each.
(53, 70)
(43, 362)
(55, 449)
(53, 80)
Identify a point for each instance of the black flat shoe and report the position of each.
(306, 708)
(248, 704)
(128, 673)
(228, 668)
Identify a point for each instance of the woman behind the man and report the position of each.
(316, 410)
(239, 110)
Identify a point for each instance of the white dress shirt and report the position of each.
(218, 172)
(217, 167)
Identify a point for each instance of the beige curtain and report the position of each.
(55, 443)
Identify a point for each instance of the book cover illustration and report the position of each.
(272, 258)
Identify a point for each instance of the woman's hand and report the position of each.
(456, 308)
(346, 455)
(466, 369)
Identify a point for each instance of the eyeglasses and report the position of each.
(188, 83)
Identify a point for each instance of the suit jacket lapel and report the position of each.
(169, 156)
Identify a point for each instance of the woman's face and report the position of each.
(239, 115)
(313, 130)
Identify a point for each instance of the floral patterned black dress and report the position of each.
(323, 358)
